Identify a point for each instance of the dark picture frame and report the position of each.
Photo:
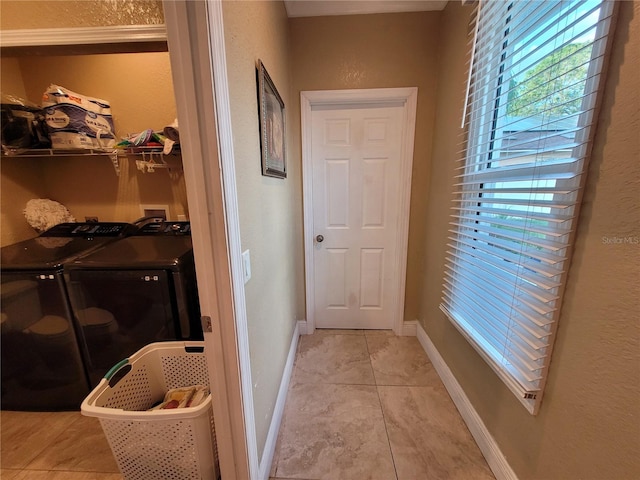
(272, 126)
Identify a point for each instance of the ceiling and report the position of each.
(315, 8)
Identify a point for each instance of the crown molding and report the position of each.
(82, 36)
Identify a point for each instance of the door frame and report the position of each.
(379, 97)
(195, 33)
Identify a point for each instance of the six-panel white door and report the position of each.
(356, 187)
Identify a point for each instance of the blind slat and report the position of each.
(533, 277)
(520, 221)
(483, 240)
(517, 233)
(514, 301)
(532, 214)
(489, 355)
(500, 277)
(532, 202)
(497, 327)
(519, 260)
(497, 339)
(513, 174)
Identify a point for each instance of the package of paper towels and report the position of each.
(77, 121)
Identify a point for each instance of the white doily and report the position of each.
(42, 214)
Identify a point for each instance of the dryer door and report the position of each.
(120, 311)
(41, 363)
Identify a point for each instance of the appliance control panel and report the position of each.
(166, 228)
(90, 229)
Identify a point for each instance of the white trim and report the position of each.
(38, 37)
(488, 446)
(227, 158)
(302, 327)
(402, 235)
(408, 97)
(307, 188)
(278, 411)
(409, 328)
(297, 8)
(531, 405)
(193, 87)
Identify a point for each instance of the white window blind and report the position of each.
(535, 74)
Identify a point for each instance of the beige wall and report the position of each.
(11, 77)
(140, 91)
(83, 13)
(20, 180)
(375, 51)
(588, 424)
(137, 85)
(270, 208)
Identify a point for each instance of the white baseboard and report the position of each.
(410, 328)
(302, 327)
(488, 446)
(276, 419)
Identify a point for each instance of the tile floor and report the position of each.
(370, 406)
(360, 406)
(54, 446)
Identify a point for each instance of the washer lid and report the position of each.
(46, 253)
(139, 253)
(61, 244)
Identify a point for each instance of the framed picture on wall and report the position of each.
(272, 126)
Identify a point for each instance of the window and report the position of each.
(535, 74)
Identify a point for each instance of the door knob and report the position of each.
(319, 238)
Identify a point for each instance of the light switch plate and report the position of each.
(246, 263)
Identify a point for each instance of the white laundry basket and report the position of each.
(177, 444)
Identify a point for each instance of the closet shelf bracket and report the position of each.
(113, 156)
(154, 159)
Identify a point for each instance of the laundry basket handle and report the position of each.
(117, 372)
(193, 348)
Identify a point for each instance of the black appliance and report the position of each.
(139, 290)
(42, 366)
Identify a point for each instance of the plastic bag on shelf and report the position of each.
(23, 124)
(77, 121)
(147, 138)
